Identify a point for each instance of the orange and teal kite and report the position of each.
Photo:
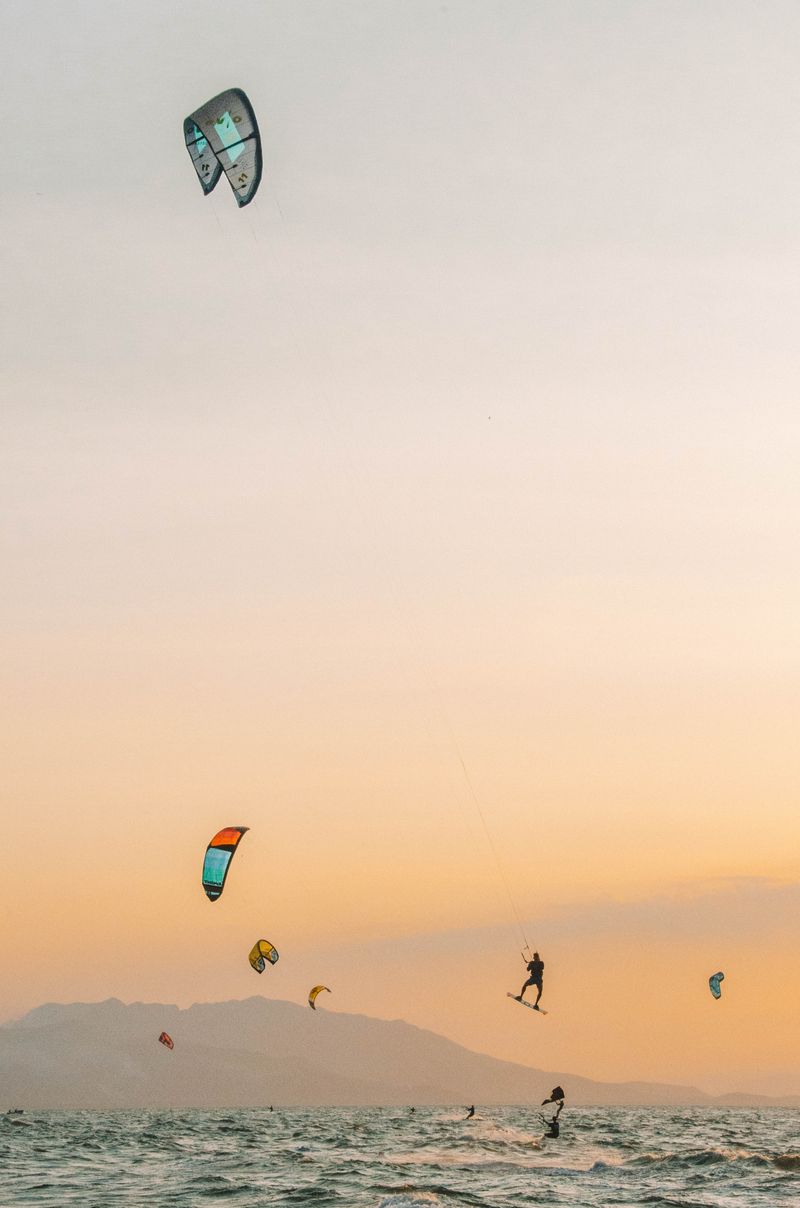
(219, 854)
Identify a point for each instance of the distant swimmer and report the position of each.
(536, 970)
(470, 1112)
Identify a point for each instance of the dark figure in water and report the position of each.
(412, 1110)
(470, 1112)
(536, 970)
(552, 1125)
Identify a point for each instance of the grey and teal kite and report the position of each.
(222, 136)
(713, 983)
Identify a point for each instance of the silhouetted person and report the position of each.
(471, 1112)
(552, 1125)
(536, 970)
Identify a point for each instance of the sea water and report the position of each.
(395, 1158)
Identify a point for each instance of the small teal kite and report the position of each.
(713, 983)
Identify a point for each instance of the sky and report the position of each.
(435, 516)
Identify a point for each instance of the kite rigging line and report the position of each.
(401, 602)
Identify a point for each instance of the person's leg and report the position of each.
(539, 995)
(529, 982)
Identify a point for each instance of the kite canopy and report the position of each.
(166, 1040)
(713, 983)
(556, 1094)
(219, 854)
(312, 997)
(222, 136)
(261, 952)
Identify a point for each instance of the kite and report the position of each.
(556, 1094)
(261, 952)
(166, 1040)
(219, 854)
(312, 997)
(713, 983)
(222, 136)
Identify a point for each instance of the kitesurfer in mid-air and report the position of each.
(536, 970)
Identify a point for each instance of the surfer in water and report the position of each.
(556, 1096)
(470, 1112)
(552, 1125)
(536, 971)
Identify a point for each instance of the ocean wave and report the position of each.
(713, 1157)
(218, 1186)
(603, 1164)
(409, 1196)
(410, 1199)
(377, 1159)
(669, 1201)
(315, 1194)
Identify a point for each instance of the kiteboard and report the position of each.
(523, 1003)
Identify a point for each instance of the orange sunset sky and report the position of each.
(436, 517)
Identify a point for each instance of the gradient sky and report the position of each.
(474, 438)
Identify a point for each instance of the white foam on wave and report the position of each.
(507, 1134)
(410, 1199)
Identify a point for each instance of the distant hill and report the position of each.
(259, 1051)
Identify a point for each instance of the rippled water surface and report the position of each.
(391, 1158)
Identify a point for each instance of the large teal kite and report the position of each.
(217, 859)
(222, 136)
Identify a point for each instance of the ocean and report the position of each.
(393, 1158)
